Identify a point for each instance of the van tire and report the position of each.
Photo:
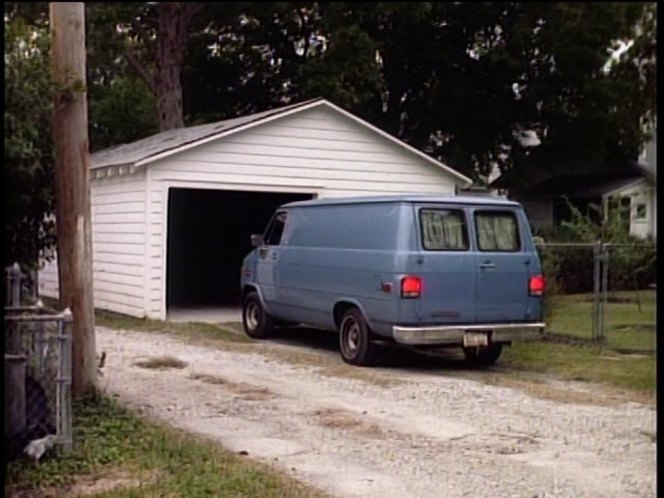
(355, 339)
(257, 323)
(484, 355)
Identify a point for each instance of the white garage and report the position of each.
(172, 213)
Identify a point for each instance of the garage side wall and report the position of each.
(317, 151)
(118, 205)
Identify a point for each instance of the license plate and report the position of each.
(475, 339)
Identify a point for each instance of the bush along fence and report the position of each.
(37, 373)
(600, 292)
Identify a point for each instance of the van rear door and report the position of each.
(502, 265)
(445, 264)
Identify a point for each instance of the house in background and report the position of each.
(633, 188)
(172, 214)
(643, 194)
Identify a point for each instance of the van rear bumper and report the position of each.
(453, 334)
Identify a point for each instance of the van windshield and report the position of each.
(443, 230)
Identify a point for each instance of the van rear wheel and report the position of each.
(483, 355)
(255, 320)
(355, 339)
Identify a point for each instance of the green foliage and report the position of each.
(28, 165)
(632, 262)
(122, 111)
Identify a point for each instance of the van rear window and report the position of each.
(497, 231)
(443, 230)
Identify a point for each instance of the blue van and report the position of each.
(424, 271)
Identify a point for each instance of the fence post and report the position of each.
(13, 337)
(596, 290)
(64, 379)
(15, 285)
(605, 284)
(39, 340)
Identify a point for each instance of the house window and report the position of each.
(640, 211)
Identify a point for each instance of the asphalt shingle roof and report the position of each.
(172, 139)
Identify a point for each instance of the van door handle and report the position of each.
(274, 256)
(487, 264)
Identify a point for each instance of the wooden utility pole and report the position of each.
(72, 186)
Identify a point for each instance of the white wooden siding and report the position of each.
(317, 147)
(642, 193)
(118, 205)
(47, 279)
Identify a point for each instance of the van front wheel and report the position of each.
(483, 355)
(354, 339)
(255, 320)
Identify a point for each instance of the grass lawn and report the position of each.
(190, 330)
(119, 454)
(630, 318)
(567, 362)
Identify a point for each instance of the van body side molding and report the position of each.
(453, 334)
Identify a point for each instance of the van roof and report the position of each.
(426, 198)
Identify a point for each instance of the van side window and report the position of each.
(497, 231)
(275, 230)
(443, 230)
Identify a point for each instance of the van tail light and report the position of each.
(536, 285)
(411, 287)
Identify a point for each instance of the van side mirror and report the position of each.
(256, 240)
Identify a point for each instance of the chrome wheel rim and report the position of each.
(350, 336)
(252, 316)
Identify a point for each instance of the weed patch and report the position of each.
(161, 363)
(117, 453)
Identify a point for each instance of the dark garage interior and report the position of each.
(208, 236)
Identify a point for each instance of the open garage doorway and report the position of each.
(208, 236)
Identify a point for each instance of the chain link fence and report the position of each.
(37, 370)
(601, 294)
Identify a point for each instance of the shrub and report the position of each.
(570, 269)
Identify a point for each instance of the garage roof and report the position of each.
(170, 142)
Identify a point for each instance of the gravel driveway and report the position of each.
(424, 436)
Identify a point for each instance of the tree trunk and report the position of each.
(72, 187)
(174, 21)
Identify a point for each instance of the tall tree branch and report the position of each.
(140, 69)
(303, 31)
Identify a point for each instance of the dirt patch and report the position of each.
(652, 436)
(113, 480)
(329, 366)
(346, 421)
(116, 481)
(636, 327)
(563, 391)
(245, 391)
(161, 363)
(559, 338)
(570, 391)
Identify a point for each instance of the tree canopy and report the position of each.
(28, 166)
(523, 87)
